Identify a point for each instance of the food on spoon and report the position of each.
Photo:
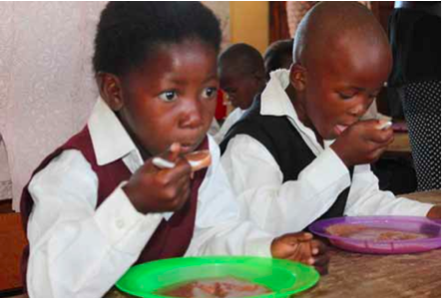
(199, 159)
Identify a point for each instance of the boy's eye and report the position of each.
(168, 96)
(345, 95)
(209, 92)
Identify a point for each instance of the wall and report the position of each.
(47, 87)
(222, 11)
(250, 23)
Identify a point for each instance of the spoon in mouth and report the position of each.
(197, 159)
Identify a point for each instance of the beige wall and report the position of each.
(250, 23)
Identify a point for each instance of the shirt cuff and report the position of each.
(260, 247)
(327, 170)
(119, 221)
(413, 208)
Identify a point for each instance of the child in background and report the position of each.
(294, 160)
(242, 77)
(278, 55)
(99, 204)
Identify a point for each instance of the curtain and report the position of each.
(278, 21)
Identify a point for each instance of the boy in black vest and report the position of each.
(241, 73)
(292, 162)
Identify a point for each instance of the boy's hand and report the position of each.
(302, 248)
(151, 189)
(362, 142)
(434, 213)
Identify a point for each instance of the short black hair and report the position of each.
(242, 59)
(275, 53)
(128, 31)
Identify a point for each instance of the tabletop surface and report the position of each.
(400, 145)
(363, 275)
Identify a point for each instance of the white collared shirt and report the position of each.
(281, 207)
(80, 251)
(233, 117)
(214, 128)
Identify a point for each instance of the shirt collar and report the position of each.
(109, 138)
(276, 102)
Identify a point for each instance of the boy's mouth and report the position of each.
(339, 129)
(185, 148)
(189, 147)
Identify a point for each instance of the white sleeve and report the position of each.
(233, 117)
(365, 198)
(76, 249)
(275, 206)
(220, 229)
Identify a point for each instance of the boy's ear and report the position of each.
(298, 76)
(110, 90)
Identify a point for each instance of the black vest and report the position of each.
(285, 144)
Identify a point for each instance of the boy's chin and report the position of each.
(339, 130)
(188, 148)
(330, 135)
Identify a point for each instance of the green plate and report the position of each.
(283, 277)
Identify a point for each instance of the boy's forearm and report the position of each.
(231, 238)
(77, 250)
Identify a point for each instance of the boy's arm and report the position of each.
(221, 229)
(275, 206)
(76, 250)
(365, 198)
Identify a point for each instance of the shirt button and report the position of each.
(120, 223)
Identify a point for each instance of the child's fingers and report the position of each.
(172, 153)
(318, 247)
(370, 130)
(167, 159)
(181, 170)
(320, 258)
(175, 193)
(184, 193)
(382, 136)
(294, 238)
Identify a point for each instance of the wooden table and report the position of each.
(361, 275)
(379, 276)
(400, 147)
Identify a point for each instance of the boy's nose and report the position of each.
(192, 115)
(360, 109)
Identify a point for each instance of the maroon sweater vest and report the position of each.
(171, 238)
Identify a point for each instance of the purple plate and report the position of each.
(364, 232)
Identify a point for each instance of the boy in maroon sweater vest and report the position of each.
(98, 204)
